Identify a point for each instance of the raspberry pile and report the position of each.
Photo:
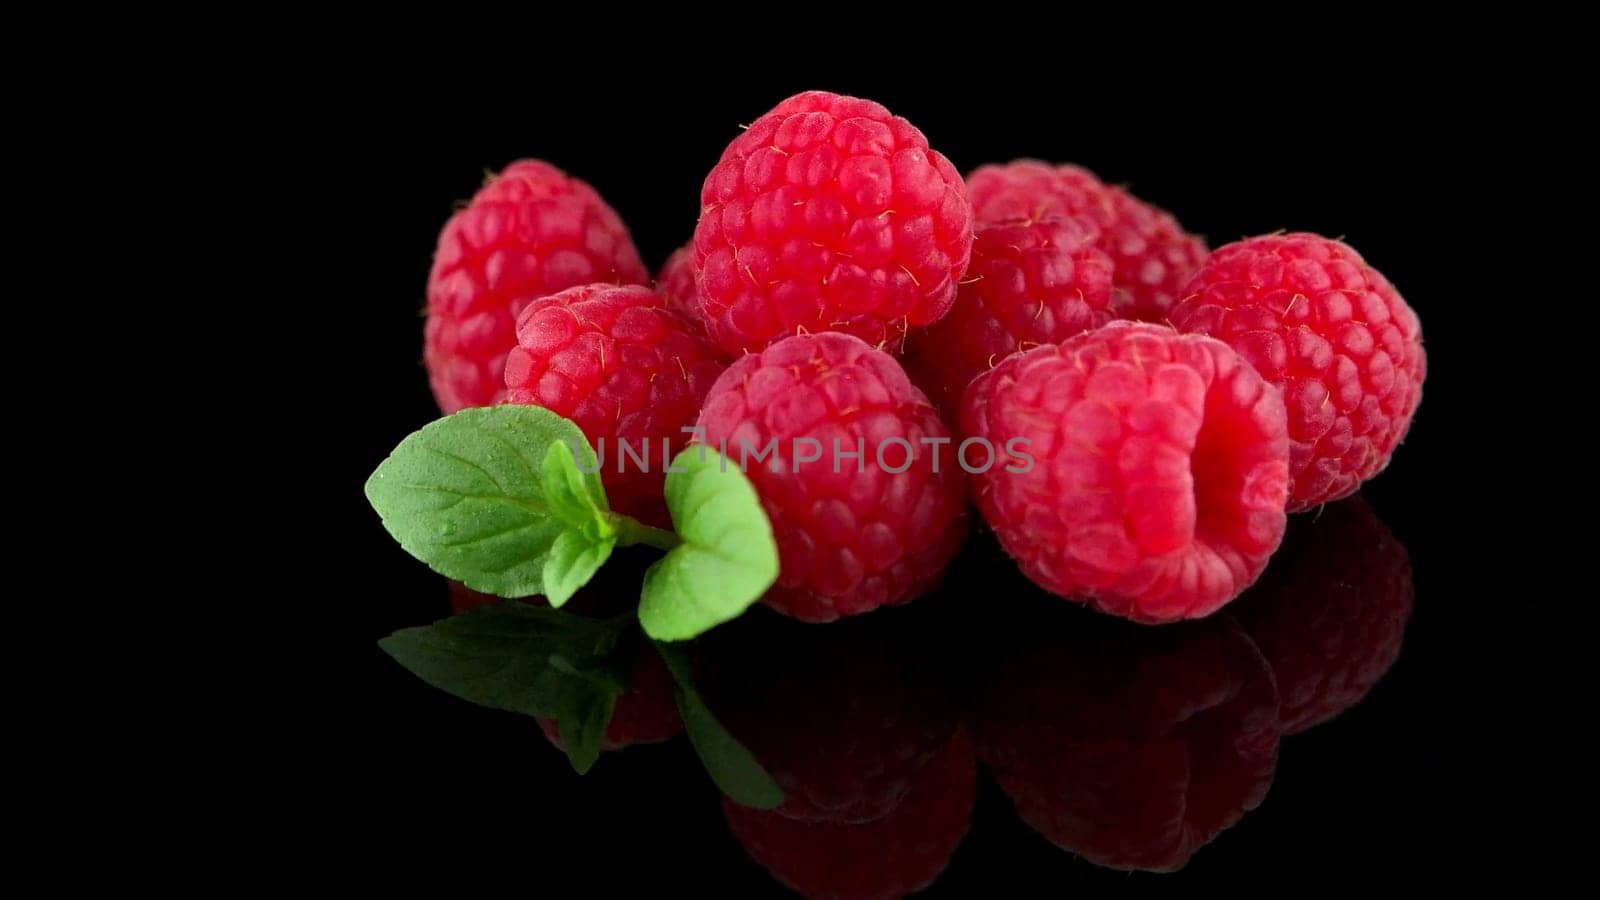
(1133, 416)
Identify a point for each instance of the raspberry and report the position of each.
(843, 718)
(1158, 474)
(1031, 282)
(1330, 612)
(530, 232)
(630, 372)
(646, 714)
(675, 283)
(1131, 747)
(1329, 331)
(902, 852)
(853, 534)
(829, 214)
(1152, 254)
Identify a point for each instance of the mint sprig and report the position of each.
(508, 500)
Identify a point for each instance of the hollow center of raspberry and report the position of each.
(1222, 458)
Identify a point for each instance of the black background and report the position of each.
(426, 781)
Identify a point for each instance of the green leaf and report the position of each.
(727, 558)
(585, 711)
(575, 498)
(510, 656)
(730, 765)
(467, 495)
(573, 560)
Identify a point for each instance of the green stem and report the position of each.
(632, 531)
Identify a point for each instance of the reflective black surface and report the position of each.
(982, 731)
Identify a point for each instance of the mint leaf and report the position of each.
(573, 560)
(467, 495)
(585, 711)
(727, 558)
(574, 497)
(730, 765)
(510, 656)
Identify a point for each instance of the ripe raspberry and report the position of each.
(646, 714)
(1031, 282)
(625, 368)
(1160, 466)
(898, 854)
(1131, 747)
(1330, 612)
(676, 285)
(1331, 332)
(829, 214)
(843, 718)
(853, 534)
(531, 231)
(1153, 256)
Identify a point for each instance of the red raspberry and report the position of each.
(646, 714)
(1131, 747)
(530, 232)
(1330, 612)
(1152, 254)
(853, 534)
(829, 214)
(1329, 331)
(844, 718)
(625, 368)
(1031, 282)
(898, 854)
(1158, 474)
(675, 283)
